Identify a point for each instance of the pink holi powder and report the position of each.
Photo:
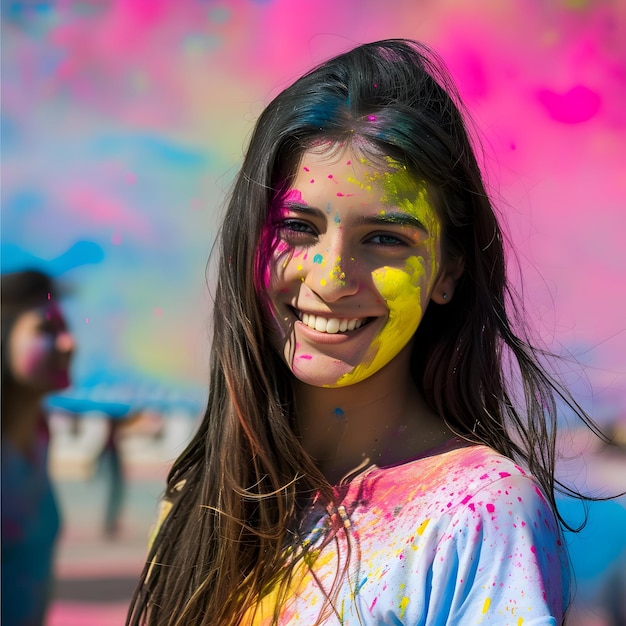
(490, 508)
(306, 169)
(533, 549)
(308, 357)
(130, 178)
(575, 106)
(312, 180)
(504, 474)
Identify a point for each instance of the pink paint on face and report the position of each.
(40, 348)
(269, 244)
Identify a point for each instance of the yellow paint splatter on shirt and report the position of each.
(403, 604)
(486, 605)
(422, 527)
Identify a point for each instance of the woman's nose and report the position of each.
(65, 342)
(332, 277)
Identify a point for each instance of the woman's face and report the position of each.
(40, 348)
(357, 259)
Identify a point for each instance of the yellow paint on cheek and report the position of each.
(402, 291)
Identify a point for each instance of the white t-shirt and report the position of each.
(461, 537)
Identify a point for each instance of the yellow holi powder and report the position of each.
(401, 290)
(422, 527)
(486, 605)
(337, 273)
(354, 181)
(323, 282)
(520, 621)
(403, 604)
(299, 267)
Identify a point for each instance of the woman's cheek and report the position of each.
(30, 356)
(402, 291)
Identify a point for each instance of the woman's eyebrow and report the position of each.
(302, 208)
(396, 219)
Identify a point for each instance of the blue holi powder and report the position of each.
(318, 258)
(337, 219)
(322, 112)
(358, 587)
(338, 412)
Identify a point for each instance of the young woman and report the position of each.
(378, 446)
(36, 353)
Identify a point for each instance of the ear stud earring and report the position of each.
(444, 296)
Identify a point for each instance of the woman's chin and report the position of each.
(319, 371)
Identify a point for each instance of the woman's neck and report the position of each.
(383, 420)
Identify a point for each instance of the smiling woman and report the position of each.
(353, 261)
(363, 458)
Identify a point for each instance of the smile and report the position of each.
(331, 325)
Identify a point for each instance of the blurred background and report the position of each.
(123, 125)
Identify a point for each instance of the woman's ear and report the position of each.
(446, 282)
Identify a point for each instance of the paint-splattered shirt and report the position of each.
(457, 538)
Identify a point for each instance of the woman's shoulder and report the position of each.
(456, 462)
(449, 480)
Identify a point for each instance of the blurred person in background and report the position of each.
(109, 462)
(36, 349)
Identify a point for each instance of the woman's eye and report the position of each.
(295, 228)
(387, 240)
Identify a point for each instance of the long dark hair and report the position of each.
(245, 472)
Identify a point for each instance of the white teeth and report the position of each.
(330, 325)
